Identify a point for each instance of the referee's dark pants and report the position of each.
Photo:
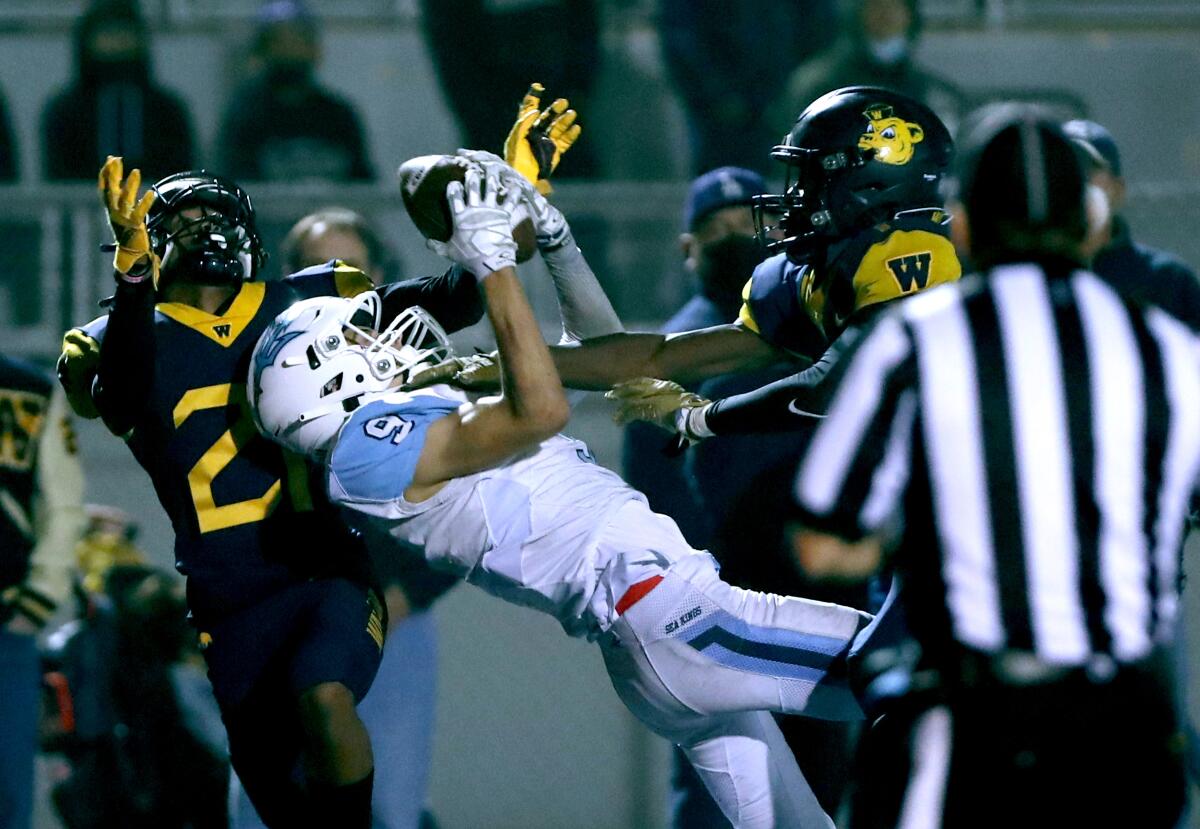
(1061, 749)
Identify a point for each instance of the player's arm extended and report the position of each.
(451, 297)
(125, 372)
(790, 403)
(531, 407)
(783, 405)
(688, 357)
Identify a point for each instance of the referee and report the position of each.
(1028, 439)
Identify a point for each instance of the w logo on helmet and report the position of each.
(911, 272)
(893, 139)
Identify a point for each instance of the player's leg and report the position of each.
(264, 751)
(741, 757)
(330, 672)
(720, 649)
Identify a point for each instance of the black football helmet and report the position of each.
(219, 244)
(856, 157)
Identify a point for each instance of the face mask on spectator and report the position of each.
(725, 265)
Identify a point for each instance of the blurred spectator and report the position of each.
(8, 146)
(488, 52)
(41, 517)
(339, 233)
(719, 253)
(729, 61)
(282, 124)
(875, 49)
(1146, 275)
(136, 722)
(1140, 271)
(398, 711)
(114, 107)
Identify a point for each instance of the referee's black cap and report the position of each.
(1020, 179)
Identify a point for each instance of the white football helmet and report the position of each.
(324, 357)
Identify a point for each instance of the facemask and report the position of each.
(725, 266)
(889, 51)
(211, 261)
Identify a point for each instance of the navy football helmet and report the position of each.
(202, 228)
(856, 157)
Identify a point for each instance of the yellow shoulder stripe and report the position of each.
(905, 262)
(225, 329)
(746, 316)
(349, 280)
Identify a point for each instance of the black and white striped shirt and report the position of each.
(1040, 438)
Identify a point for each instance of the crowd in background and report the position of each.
(741, 72)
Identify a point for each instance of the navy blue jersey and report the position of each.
(802, 308)
(248, 517)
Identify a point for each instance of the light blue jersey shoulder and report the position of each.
(376, 453)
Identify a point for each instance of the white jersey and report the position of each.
(532, 531)
(692, 657)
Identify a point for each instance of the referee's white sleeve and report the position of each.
(853, 472)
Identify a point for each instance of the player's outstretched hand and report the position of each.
(538, 139)
(482, 240)
(476, 372)
(662, 402)
(133, 260)
(548, 221)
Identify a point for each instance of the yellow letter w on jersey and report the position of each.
(911, 272)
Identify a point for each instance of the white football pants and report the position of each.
(700, 663)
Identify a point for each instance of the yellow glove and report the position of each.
(133, 260)
(477, 372)
(539, 137)
(666, 404)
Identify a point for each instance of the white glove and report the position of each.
(482, 240)
(548, 221)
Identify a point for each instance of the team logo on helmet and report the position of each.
(893, 139)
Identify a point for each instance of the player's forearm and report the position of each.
(600, 362)
(450, 297)
(529, 382)
(585, 309)
(127, 353)
(686, 358)
(794, 402)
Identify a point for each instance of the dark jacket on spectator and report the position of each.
(114, 108)
(1149, 275)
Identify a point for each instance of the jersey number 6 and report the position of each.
(210, 515)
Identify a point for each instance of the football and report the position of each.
(423, 183)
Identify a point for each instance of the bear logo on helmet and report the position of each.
(893, 139)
